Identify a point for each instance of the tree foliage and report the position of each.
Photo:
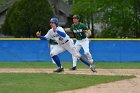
(121, 18)
(26, 17)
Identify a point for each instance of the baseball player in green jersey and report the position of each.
(81, 33)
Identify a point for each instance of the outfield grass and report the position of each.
(50, 83)
(103, 65)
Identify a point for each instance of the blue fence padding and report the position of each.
(116, 50)
(38, 51)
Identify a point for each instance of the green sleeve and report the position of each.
(84, 26)
(71, 28)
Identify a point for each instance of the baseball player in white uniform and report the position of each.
(58, 34)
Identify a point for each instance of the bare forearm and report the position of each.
(88, 32)
(67, 30)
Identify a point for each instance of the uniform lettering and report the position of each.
(78, 30)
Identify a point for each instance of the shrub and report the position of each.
(26, 17)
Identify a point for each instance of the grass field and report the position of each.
(104, 65)
(51, 83)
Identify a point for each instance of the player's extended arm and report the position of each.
(61, 33)
(42, 38)
(67, 30)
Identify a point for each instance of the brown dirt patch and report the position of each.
(123, 86)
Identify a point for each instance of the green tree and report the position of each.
(87, 10)
(26, 17)
(120, 17)
(136, 17)
(120, 20)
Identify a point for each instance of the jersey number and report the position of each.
(60, 38)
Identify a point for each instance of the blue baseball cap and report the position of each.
(54, 20)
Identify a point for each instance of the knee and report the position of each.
(76, 56)
(52, 54)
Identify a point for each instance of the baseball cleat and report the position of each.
(93, 68)
(73, 68)
(59, 70)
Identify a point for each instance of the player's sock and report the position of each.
(84, 61)
(57, 61)
(74, 61)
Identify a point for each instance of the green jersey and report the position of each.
(78, 30)
(52, 42)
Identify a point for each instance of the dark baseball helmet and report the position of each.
(54, 20)
(76, 16)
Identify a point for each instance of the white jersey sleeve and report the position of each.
(55, 36)
(48, 35)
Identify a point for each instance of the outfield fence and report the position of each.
(35, 50)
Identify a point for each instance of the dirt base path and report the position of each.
(123, 86)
